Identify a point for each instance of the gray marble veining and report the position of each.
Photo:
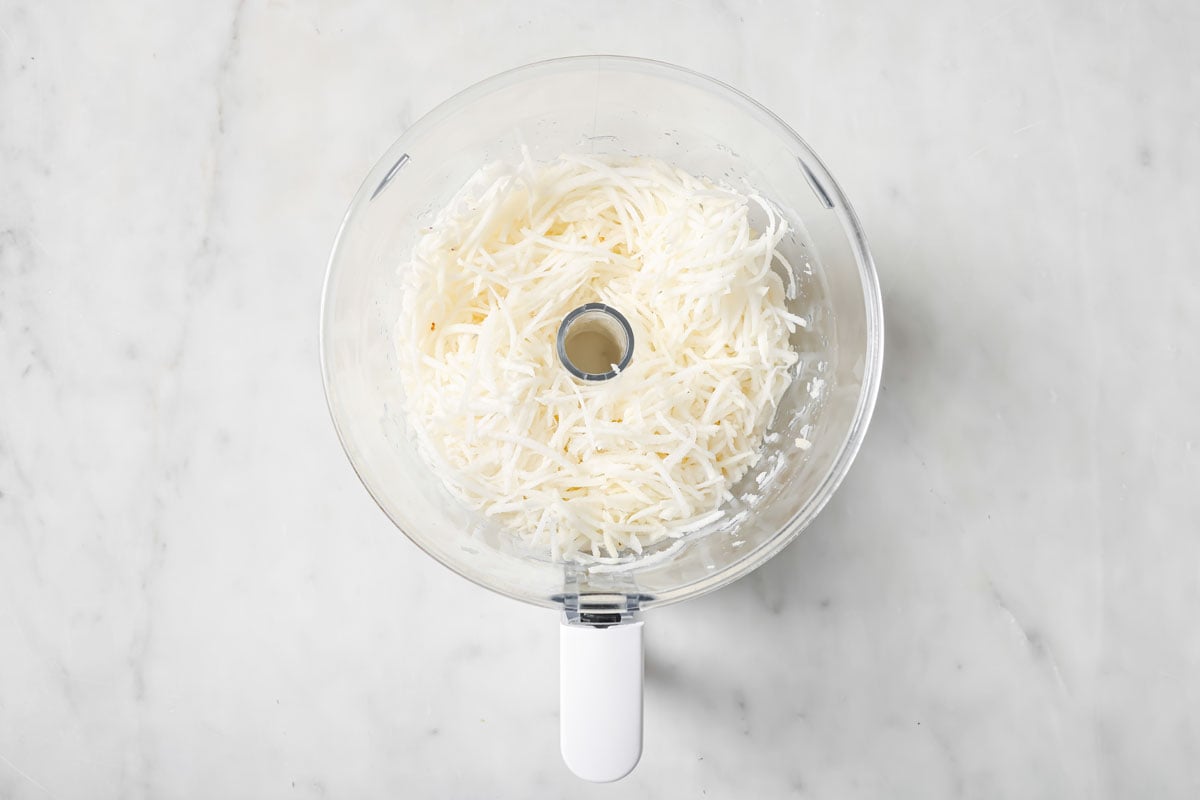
(197, 599)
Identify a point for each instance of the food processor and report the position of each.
(606, 105)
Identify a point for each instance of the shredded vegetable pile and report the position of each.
(600, 468)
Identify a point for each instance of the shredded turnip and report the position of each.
(607, 467)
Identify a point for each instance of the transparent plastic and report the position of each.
(606, 105)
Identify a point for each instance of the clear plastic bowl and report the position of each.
(605, 105)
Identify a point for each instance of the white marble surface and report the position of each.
(197, 599)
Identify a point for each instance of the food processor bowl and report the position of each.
(606, 105)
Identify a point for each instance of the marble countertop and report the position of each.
(198, 599)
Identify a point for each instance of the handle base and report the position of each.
(600, 685)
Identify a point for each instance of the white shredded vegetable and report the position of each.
(608, 467)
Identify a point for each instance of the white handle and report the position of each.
(600, 683)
